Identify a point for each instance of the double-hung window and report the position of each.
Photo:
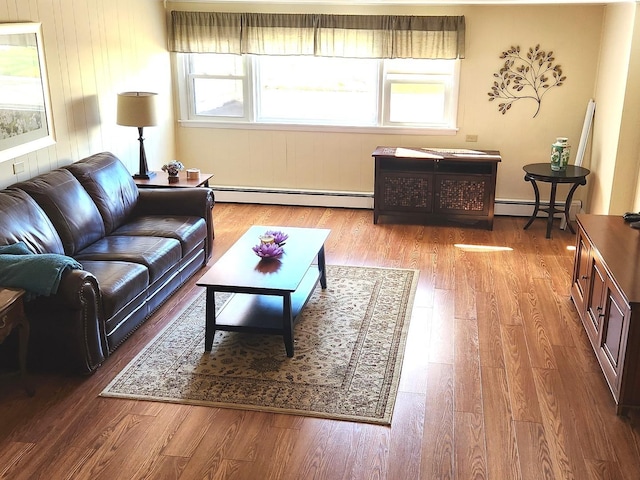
(420, 93)
(309, 90)
(389, 72)
(217, 86)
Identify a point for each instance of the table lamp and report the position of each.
(138, 109)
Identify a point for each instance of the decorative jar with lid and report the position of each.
(560, 152)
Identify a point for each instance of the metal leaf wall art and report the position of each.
(531, 76)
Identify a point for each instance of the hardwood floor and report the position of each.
(499, 379)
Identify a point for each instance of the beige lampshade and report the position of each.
(137, 109)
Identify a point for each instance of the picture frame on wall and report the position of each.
(26, 123)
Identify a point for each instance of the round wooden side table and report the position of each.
(541, 172)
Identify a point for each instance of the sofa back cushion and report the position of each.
(68, 206)
(110, 186)
(23, 220)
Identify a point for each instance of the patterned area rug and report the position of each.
(349, 347)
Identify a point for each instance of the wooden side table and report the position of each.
(542, 172)
(161, 180)
(12, 317)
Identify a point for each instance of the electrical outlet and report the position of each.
(472, 138)
(18, 167)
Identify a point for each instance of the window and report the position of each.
(420, 92)
(219, 86)
(316, 90)
(305, 90)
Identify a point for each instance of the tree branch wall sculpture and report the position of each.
(525, 77)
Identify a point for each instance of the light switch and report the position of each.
(18, 167)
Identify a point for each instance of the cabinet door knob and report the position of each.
(584, 277)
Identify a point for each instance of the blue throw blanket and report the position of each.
(38, 274)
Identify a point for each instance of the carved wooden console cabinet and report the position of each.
(425, 185)
(606, 291)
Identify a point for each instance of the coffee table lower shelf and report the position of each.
(259, 310)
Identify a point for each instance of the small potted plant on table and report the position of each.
(173, 169)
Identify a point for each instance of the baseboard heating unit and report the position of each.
(321, 198)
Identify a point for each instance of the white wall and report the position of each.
(612, 82)
(626, 189)
(95, 49)
(627, 166)
(342, 161)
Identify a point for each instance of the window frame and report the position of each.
(186, 100)
(451, 86)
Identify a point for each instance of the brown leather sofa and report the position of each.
(136, 247)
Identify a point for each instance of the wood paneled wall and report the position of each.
(93, 51)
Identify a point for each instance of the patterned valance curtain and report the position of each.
(352, 36)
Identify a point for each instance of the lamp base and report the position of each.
(144, 176)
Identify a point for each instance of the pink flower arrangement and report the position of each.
(271, 243)
(268, 250)
(278, 237)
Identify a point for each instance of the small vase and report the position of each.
(174, 178)
(560, 152)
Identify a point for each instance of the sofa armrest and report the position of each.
(71, 322)
(195, 202)
(76, 287)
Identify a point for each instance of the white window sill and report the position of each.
(319, 128)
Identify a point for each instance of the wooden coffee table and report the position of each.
(269, 293)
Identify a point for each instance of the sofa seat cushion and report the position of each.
(120, 283)
(191, 232)
(68, 206)
(158, 254)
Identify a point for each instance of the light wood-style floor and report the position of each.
(499, 379)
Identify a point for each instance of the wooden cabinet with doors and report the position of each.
(606, 291)
(435, 185)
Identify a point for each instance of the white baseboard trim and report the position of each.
(318, 198)
(307, 198)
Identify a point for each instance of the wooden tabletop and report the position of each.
(543, 172)
(161, 179)
(439, 154)
(241, 268)
(619, 246)
(8, 296)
